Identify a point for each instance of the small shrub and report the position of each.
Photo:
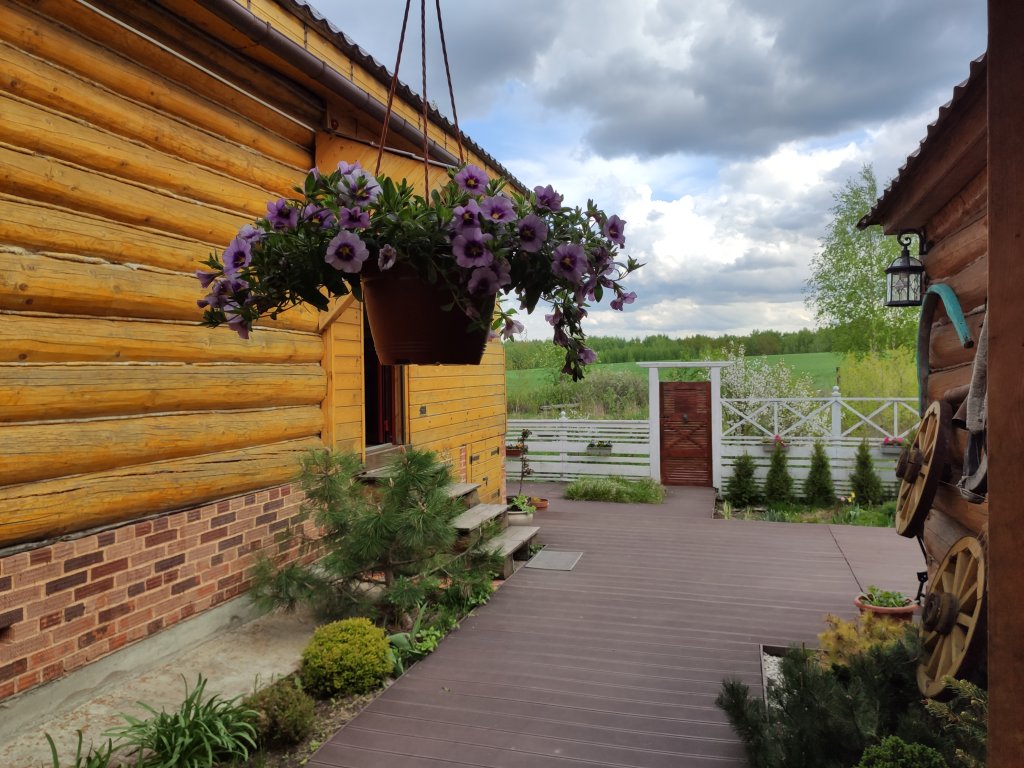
(778, 485)
(867, 486)
(348, 656)
(618, 489)
(741, 488)
(845, 639)
(894, 752)
(200, 734)
(818, 487)
(286, 713)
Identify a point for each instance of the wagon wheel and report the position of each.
(924, 467)
(953, 615)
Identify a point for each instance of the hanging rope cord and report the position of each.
(426, 107)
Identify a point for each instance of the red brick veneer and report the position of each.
(67, 603)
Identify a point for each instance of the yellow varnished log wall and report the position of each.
(121, 167)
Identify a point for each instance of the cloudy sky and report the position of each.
(718, 129)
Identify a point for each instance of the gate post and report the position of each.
(837, 415)
(654, 422)
(716, 427)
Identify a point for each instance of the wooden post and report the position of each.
(716, 427)
(654, 418)
(1005, 385)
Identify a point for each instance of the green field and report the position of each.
(820, 366)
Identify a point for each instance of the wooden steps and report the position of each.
(480, 515)
(511, 542)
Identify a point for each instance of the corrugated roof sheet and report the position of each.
(976, 76)
(314, 18)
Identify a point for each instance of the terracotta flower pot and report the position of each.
(512, 453)
(538, 502)
(900, 613)
(409, 325)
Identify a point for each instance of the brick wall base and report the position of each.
(67, 603)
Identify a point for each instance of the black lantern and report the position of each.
(904, 278)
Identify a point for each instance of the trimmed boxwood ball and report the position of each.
(348, 656)
(286, 713)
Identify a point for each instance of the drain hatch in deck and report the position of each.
(554, 561)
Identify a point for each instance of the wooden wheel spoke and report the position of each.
(959, 573)
(930, 641)
(968, 589)
(946, 656)
(932, 668)
(958, 642)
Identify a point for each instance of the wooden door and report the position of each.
(685, 425)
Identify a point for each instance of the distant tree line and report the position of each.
(522, 355)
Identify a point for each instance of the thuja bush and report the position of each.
(894, 752)
(285, 713)
(867, 486)
(826, 716)
(818, 487)
(384, 550)
(778, 485)
(741, 488)
(344, 657)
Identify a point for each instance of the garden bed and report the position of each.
(880, 516)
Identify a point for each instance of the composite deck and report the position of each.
(618, 662)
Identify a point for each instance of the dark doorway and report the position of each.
(382, 385)
(685, 428)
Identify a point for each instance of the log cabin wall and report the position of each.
(158, 451)
(944, 188)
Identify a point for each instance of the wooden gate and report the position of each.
(685, 426)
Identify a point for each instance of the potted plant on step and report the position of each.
(882, 602)
(429, 269)
(521, 508)
(525, 470)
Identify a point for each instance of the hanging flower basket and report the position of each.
(410, 326)
(407, 255)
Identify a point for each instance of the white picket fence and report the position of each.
(558, 447)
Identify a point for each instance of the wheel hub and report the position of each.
(940, 612)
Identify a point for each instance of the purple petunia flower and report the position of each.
(471, 179)
(345, 169)
(554, 318)
(547, 198)
(470, 249)
(357, 185)
(512, 327)
(613, 229)
(503, 270)
(236, 256)
(281, 215)
(346, 252)
(353, 218)
(221, 293)
(205, 278)
(466, 216)
(587, 356)
(497, 209)
(570, 262)
(250, 234)
(387, 257)
(483, 281)
(237, 322)
(623, 298)
(323, 216)
(533, 231)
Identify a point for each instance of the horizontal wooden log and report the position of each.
(950, 378)
(30, 392)
(53, 338)
(970, 285)
(83, 234)
(35, 511)
(947, 257)
(40, 130)
(33, 452)
(945, 349)
(48, 41)
(47, 180)
(42, 83)
(39, 282)
(153, 22)
(949, 502)
(969, 203)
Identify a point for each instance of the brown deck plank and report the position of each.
(618, 662)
